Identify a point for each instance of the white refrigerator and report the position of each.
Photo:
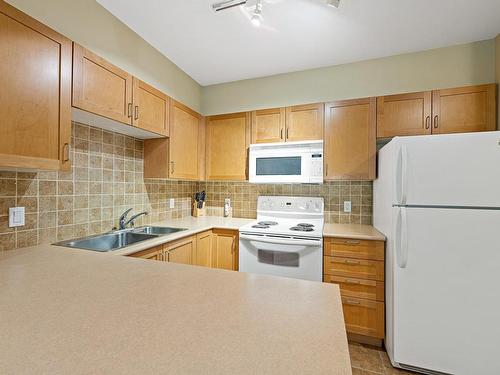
(437, 199)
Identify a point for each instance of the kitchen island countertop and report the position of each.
(67, 311)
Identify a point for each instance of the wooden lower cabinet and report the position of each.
(225, 249)
(154, 253)
(357, 267)
(204, 246)
(217, 248)
(182, 251)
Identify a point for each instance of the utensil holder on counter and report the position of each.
(197, 212)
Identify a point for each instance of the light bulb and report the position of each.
(256, 20)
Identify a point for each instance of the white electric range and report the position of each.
(286, 239)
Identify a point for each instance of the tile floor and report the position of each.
(369, 360)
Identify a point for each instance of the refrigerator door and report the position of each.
(447, 170)
(445, 298)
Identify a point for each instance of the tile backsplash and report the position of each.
(107, 177)
(244, 195)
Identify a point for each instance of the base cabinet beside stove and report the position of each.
(357, 266)
(216, 248)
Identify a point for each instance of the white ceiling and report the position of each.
(300, 34)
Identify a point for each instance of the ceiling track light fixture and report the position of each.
(333, 3)
(257, 14)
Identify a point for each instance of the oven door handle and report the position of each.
(280, 241)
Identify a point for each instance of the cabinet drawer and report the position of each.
(364, 317)
(356, 268)
(358, 288)
(349, 248)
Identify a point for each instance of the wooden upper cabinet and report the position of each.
(184, 138)
(100, 87)
(405, 114)
(268, 125)
(151, 108)
(304, 122)
(35, 93)
(350, 143)
(225, 249)
(227, 138)
(464, 109)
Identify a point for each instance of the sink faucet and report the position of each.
(123, 218)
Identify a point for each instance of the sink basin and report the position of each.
(158, 230)
(107, 242)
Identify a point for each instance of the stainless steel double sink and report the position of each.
(118, 239)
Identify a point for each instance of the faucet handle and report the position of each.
(124, 215)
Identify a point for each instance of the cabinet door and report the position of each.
(204, 249)
(268, 125)
(154, 253)
(227, 139)
(181, 251)
(464, 109)
(100, 87)
(304, 122)
(225, 249)
(35, 93)
(350, 144)
(184, 127)
(151, 108)
(405, 114)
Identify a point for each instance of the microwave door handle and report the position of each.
(280, 241)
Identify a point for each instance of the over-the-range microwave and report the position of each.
(291, 162)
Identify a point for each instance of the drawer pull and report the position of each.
(351, 262)
(352, 302)
(352, 242)
(353, 282)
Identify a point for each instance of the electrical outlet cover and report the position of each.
(171, 202)
(347, 206)
(16, 217)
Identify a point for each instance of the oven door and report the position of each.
(281, 256)
(268, 166)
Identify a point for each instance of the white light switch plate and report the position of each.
(16, 216)
(347, 206)
(171, 203)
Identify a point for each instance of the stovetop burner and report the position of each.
(305, 225)
(261, 226)
(267, 223)
(302, 229)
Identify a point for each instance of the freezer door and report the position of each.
(446, 290)
(448, 170)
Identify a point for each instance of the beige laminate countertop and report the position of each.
(66, 311)
(355, 231)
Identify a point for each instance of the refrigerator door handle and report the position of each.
(403, 252)
(404, 174)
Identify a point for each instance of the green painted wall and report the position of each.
(91, 25)
(460, 65)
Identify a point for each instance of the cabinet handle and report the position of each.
(65, 152)
(351, 302)
(353, 282)
(326, 169)
(287, 133)
(428, 122)
(281, 134)
(351, 262)
(352, 242)
(436, 122)
(136, 112)
(172, 164)
(129, 110)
